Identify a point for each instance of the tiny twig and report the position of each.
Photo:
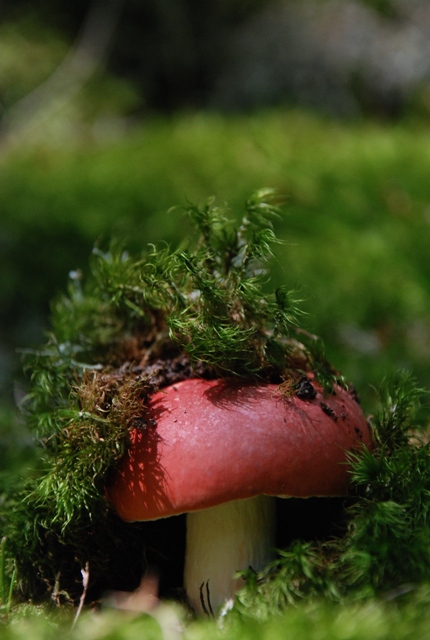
(55, 596)
(85, 580)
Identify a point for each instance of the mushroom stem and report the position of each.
(222, 540)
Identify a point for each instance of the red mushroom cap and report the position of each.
(209, 442)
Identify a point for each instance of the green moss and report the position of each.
(133, 325)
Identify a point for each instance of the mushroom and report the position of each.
(220, 451)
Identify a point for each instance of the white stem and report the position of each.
(222, 540)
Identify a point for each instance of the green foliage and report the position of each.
(231, 325)
(357, 221)
(401, 616)
(210, 299)
(6, 584)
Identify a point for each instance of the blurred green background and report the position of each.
(113, 112)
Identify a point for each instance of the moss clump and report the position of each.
(133, 326)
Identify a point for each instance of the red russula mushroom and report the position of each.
(218, 450)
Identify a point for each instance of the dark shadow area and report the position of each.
(162, 551)
(309, 519)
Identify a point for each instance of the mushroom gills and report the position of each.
(222, 540)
